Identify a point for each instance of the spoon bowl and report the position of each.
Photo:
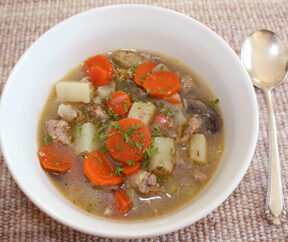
(266, 59)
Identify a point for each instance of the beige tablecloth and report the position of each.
(241, 216)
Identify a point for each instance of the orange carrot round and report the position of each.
(56, 157)
(122, 201)
(99, 170)
(101, 61)
(127, 140)
(119, 103)
(142, 71)
(162, 84)
(98, 76)
(128, 170)
(173, 100)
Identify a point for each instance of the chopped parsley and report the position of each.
(133, 69)
(214, 102)
(112, 114)
(108, 97)
(148, 91)
(79, 131)
(145, 163)
(100, 159)
(88, 210)
(171, 152)
(161, 91)
(97, 122)
(142, 79)
(72, 139)
(139, 146)
(161, 105)
(118, 170)
(47, 139)
(150, 152)
(160, 178)
(119, 147)
(126, 138)
(131, 163)
(57, 164)
(161, 68)
(103, 149)
(126, 106)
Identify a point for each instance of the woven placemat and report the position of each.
(241, 216)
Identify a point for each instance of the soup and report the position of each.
(130, 135)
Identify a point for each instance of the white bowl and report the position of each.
(105, 29)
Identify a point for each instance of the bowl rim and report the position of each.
(173, 226)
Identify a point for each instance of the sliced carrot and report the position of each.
(101, 61)
(142, 71)
(173, 100)
(99, 170)
(56, 157)
(128, 170)
(127, 140)
(98, 76)
(119, 103)
(122, 201)
(162, 84)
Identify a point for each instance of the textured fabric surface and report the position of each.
(241, 216)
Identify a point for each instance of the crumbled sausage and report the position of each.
(58, 130)
(95, 111)
(199, 176)
(145, 182)
(194, 125)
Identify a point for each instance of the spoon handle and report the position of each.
(275, 207)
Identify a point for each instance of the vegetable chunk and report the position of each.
(74, 91)
(162, 162)
(142, 111)
(198, 148)
(84, 138)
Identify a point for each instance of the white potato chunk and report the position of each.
(127, 58)
(163, 161)
(74, 91)
(198, 148)
(142, 111)
(84, 138)
(105, 91)
(67, 112)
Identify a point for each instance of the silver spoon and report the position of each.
(266, 59)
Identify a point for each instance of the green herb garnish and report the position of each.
(112, 114)
(214, 102)
(131, 163)
(150, 152)
(103, 149)
(171, 152)
(148, 91)
(57, 164)
(145, 163)
(126, 106)
(118, 170)
(79, 131)
(160, 178)
(119, 147)
(47, 139)
(161, 68)
(161, 105)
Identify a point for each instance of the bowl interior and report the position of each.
(105, 29)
